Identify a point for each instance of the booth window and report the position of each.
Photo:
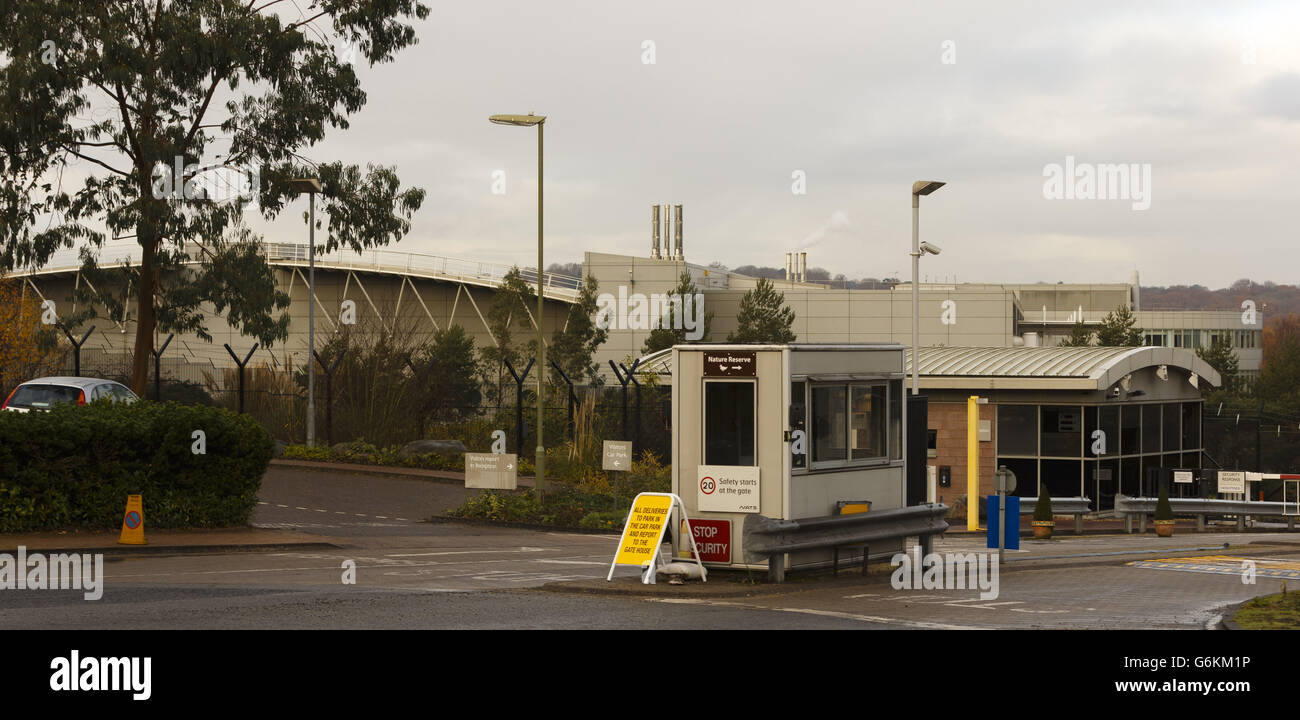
(850, 422)
(798, 423)
(728, 423)
(829, 422)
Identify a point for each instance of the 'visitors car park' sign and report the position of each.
(616, 455)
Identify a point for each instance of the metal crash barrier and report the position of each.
(1076, 506)
(1241, 509)
(765, 538)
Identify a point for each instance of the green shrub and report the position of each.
(1043, 508)
(74, 466)
(500, 506)
(1163, 510)
(603, 521)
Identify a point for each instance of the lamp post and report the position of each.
(919, 188)
(311, 186)
(530, 120)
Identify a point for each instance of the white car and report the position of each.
(42, 393)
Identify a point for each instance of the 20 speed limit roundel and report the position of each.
(707, 485)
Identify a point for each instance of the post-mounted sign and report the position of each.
(1232, 482)
(729, 364)
(491, 471)
(616, 455)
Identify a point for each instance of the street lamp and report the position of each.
(311, 186)
(530, 120)
(919, 188)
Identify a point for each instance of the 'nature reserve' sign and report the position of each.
(644, 530)
(729, 364)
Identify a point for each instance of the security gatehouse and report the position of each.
(785, 431)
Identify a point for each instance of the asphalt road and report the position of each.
(411, 573)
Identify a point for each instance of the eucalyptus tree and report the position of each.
(167, 122)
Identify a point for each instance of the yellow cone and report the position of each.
(133, 522)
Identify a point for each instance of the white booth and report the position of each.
(785, 431)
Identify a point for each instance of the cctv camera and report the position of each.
(932, 249)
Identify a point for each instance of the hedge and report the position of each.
(72, 467)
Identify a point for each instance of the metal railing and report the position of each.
(556, 285)
(1130, 507)
(766, 538)
(1076, 506)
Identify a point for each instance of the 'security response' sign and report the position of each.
(644, 530)
(728, 488)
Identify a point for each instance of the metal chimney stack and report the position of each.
(654, 232)
(678, 253)
(803, 267)
(788, 269)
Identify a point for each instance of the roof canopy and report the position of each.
(1072, 368)
(1027, 368)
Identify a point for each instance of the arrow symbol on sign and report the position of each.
(735, 367)
(510, 466)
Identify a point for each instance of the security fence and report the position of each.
(394, 405)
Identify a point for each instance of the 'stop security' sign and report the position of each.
(729, 364)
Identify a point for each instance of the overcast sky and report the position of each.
(858, 97)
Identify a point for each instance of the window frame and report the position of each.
(849, 462)
(704, 416)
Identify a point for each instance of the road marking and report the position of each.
(300, 508)
(381, 517)
(875, 619)
(339, 512)
(283, 506)
(322, 511)
(471, 552)
(826, 613)
(572, 562)
(855, 597)
(359, 514)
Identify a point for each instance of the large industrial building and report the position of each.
(994, 340)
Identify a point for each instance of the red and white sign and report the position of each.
(712, 539)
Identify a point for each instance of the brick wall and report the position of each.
(949, 419)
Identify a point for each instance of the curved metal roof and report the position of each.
(1067, 368)
(1100, 366)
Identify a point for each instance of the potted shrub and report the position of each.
(1164, 514)
(1043, 522)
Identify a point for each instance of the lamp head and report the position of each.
(528, 120)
